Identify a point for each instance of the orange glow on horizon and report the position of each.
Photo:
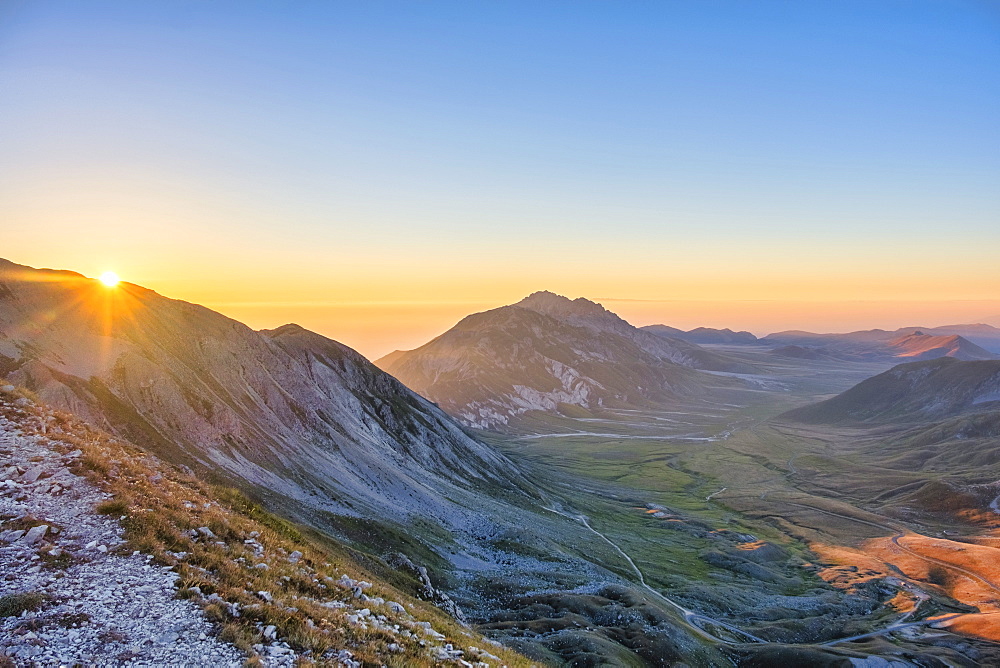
(381, 300)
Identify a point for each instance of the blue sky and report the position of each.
(851, 136)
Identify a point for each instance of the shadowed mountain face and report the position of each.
(909, 343)
(701, 334)
(291, 412)
(918, 391)
(549, 353)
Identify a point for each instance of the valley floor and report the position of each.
(761, 530)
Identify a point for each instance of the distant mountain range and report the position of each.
(552, 354)
(701, 334)
(917, 391)
(964, 342)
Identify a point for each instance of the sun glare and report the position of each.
(110, 279)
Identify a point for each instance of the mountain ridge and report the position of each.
(286, 410)
(702, 334)
(982, 336)
(317, 435)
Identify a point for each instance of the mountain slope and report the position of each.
(298, 416)
(917, 391)
(546, 353)
(983, 335)
(920, 346)
(665, 331)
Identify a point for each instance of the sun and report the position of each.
(109, 278)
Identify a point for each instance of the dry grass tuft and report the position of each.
(12, 605)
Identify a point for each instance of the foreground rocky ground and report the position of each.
(108, 557)
(81, 600)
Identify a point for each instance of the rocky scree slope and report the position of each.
(303, 420)
(70, 592)
(547, 353)
(110, 557)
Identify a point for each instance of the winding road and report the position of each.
(695, 620)
(892, 627)
(967, 573)
(709, 497)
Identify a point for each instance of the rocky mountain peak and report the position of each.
(548, 351)
(555, 305)
(288, 328)
(579, 312)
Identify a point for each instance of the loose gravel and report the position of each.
(98, 606)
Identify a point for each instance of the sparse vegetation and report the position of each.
(59, 561)
(13, 605)
(24, 523)
(114, 507)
